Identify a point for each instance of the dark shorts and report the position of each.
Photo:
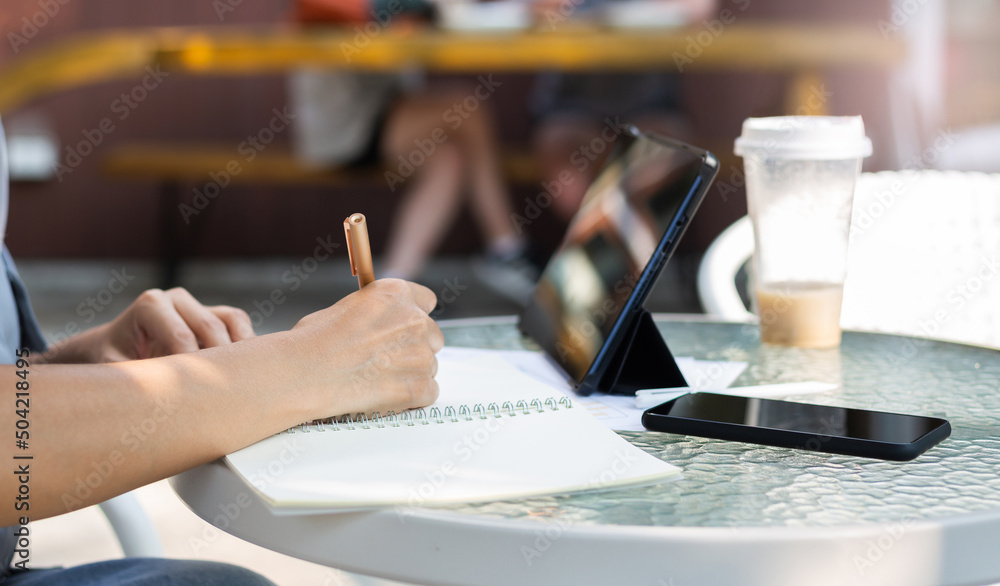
(371, 154)
(596, 96)
(140, 572)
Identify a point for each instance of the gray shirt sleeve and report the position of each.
(18, 327)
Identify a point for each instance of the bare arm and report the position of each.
(101, 430)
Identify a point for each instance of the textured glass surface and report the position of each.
(730, 484)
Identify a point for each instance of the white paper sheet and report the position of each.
(616, 411)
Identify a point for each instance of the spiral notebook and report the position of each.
(494, 433)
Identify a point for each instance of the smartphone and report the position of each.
(627, 227)
(838, 430)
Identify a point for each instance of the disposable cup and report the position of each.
(800, 178)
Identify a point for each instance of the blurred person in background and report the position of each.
(437, 146)
(580, 115)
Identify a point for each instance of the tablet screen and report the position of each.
(629, 216)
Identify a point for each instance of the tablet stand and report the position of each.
(642, 361)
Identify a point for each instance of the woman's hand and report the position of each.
(372, 351)
(158, 323)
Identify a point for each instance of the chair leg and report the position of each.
(170, 234)
(134, 530)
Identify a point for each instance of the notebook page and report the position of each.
(491, 458)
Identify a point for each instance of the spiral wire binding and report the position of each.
(433, 416)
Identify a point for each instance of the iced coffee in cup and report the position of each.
(800, 176)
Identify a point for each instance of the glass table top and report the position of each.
(730, 484)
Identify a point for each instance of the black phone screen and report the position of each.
(895, 428)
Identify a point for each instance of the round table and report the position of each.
(741, 513)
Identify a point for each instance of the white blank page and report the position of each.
(495, 458)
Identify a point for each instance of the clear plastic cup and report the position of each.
(800, 176)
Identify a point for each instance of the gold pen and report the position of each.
(359, 250)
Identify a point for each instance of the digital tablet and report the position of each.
(586, 306)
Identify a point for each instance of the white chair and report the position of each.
(923, 258)
(717, 273)
(135, 531)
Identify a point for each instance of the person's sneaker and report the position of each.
(513, 276)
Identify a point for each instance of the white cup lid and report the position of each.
(805, 137)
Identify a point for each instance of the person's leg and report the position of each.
(462, 150)
(490, 199)
(433, 191)
(561, 144)
(141, 572)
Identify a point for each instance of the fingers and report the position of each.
(165, 330)
(425, 298)
(237, 322)
(208, 327)
(422, 296)
(435, 338)
(433, 390)
(174, 322)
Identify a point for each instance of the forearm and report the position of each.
(100, 430)
(80, 348)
